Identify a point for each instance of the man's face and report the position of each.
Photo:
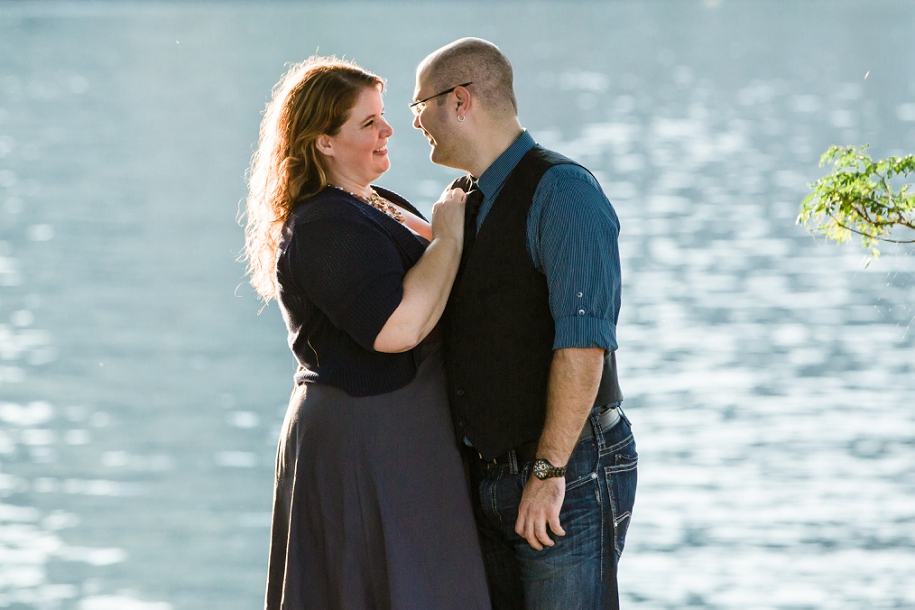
(437, 120)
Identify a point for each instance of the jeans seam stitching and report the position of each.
(603, 527)
(616, 447)
(626, 467)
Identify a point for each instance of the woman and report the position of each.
(370, 506)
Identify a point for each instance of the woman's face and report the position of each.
(358, 154)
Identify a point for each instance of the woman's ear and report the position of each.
(324, 144)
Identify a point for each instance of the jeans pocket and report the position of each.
(621, 479)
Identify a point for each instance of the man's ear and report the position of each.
(325, 146)
(464, 100)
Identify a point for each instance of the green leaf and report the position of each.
(857, 198)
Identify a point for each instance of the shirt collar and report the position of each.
(496, 173)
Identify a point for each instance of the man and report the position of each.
(530, 339)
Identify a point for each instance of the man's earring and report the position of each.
(461, 119)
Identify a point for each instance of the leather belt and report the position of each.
(527, 452)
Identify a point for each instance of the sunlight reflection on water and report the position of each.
(769, 377)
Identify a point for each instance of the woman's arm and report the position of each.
(427, 284)
(415, 223)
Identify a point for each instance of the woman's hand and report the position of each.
(448, 216)
(427, 284)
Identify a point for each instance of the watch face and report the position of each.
(544, 470)
(540, 469)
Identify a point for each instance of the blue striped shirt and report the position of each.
(573, 239)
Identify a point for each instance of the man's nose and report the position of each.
(416, 122)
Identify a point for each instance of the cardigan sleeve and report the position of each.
(350, 270)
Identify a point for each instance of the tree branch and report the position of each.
(857, 197)
(877, 237)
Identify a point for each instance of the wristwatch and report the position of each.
(544, 470)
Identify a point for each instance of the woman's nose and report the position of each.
(386, 130)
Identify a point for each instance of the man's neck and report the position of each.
(487, 150)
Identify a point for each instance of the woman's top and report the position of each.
(340, 270)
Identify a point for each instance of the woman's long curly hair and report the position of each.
(313, 98)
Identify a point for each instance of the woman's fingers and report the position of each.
(448, 215)
(450, 193)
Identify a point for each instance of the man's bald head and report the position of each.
(478, 61)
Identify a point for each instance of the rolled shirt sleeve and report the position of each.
(573, 237)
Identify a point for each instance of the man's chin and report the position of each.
(438, 157)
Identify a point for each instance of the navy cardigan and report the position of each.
(340, 270)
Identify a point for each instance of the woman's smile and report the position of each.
(358, 153)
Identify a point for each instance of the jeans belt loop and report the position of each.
(608, 419)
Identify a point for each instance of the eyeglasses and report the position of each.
(418, 107)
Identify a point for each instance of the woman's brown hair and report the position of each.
(313, 98)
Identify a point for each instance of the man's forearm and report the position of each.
(575, 375)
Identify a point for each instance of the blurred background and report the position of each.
(770, 376)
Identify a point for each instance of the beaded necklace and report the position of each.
(378, 202)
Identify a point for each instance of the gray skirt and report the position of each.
(371, 508)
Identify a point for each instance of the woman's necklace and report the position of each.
(378, 202)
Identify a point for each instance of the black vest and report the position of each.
(499, 329)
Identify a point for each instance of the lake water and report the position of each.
(770, 377)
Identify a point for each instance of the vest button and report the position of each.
(462, 423)
(460, 392)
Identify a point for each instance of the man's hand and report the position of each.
(574, 376)
(540, 505)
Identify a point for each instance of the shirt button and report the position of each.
(580, 294)
(462, 423)
(581, 312)
(460, 392)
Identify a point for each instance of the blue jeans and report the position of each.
(579, 571)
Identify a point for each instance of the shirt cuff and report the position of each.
(585, 331)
